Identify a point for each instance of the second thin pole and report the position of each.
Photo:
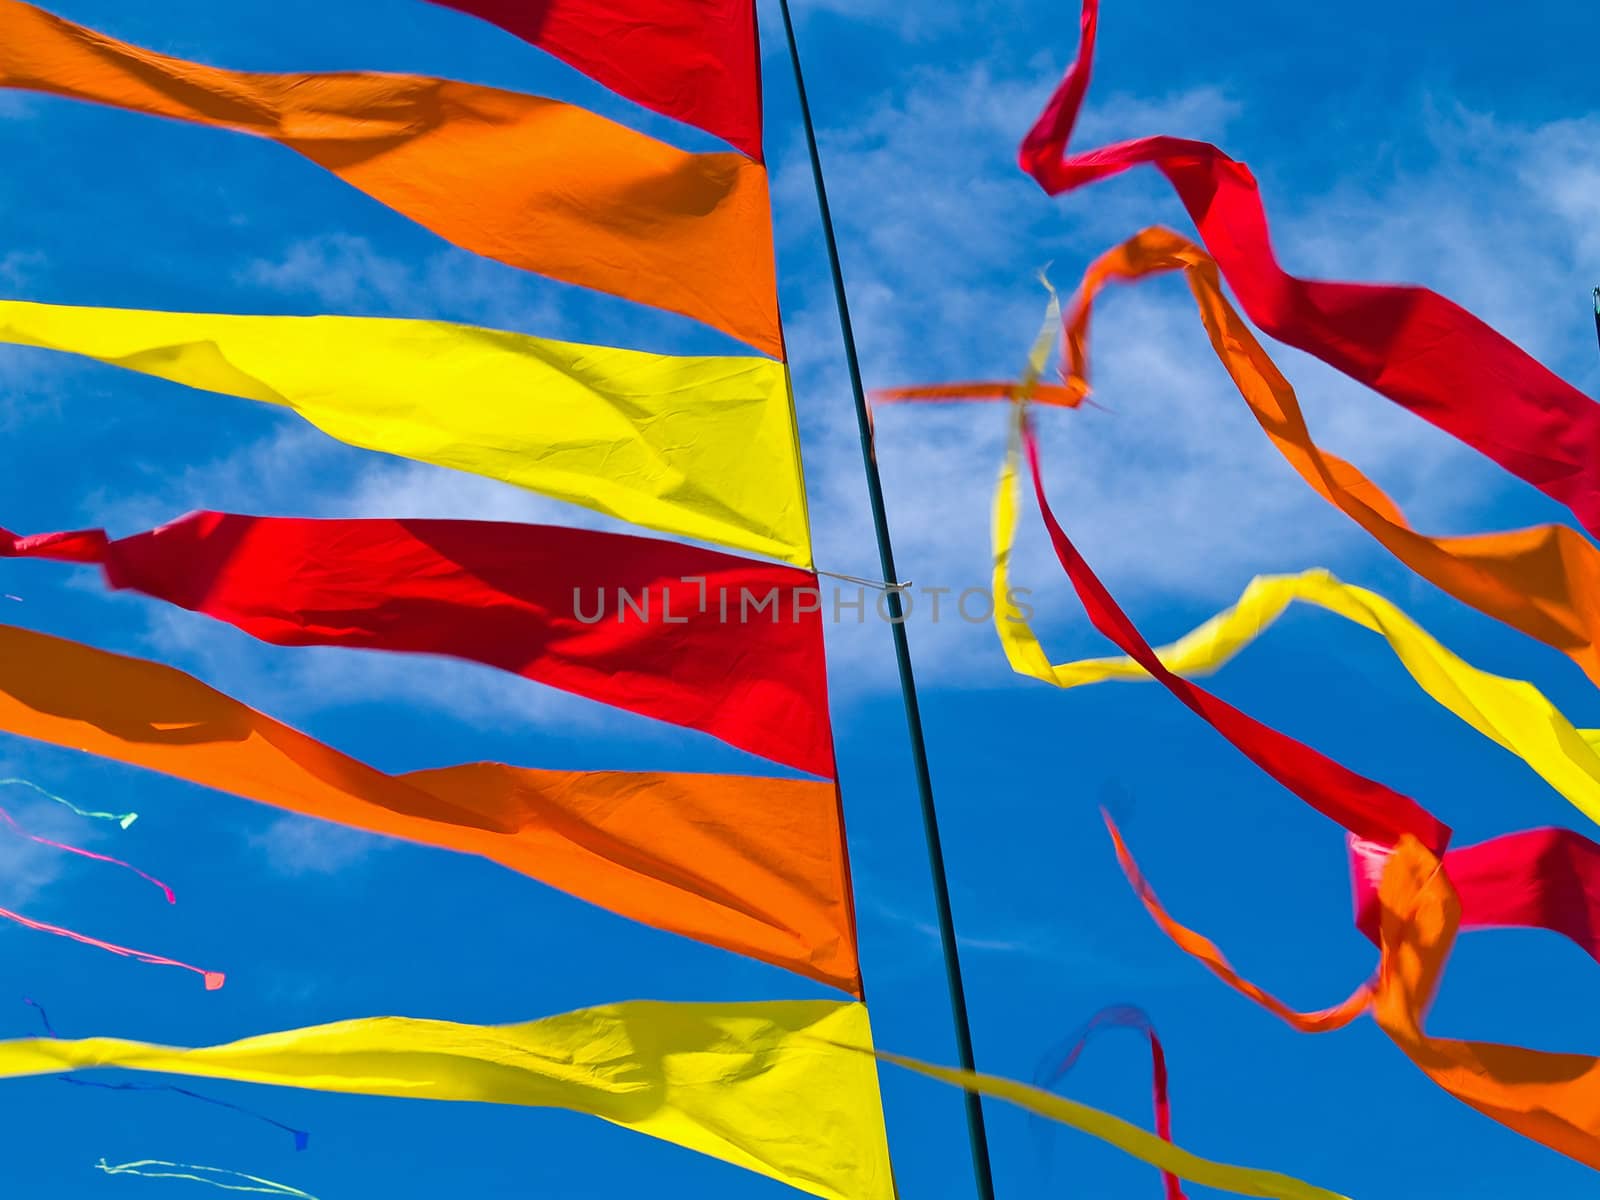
(902, 648)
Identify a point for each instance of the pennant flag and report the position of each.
(704, 640)
(1360, 805)
(534, 183)
(1511, 712)
(698, 447)
(756, 866)
(758, 1085)
(697, 61)
(1409, 344)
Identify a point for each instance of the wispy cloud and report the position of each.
(344, 273)
(298, 846)
(1170, 488)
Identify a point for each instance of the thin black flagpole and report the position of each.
(1597, 314)
(902, 647)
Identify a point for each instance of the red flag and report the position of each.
(696, 60)
(727, 645)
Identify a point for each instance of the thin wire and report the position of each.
(871, 583)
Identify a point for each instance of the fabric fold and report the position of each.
(652, 627)
(758, 1085)
(534, 183)
(698, 62)
(1409, 344)
(755, 866)
(702, 447)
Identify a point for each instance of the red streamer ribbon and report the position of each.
(1361, 805)
(1120, 1016)
(1409, 344)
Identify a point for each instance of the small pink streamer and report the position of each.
(81, 853)
(213, 979)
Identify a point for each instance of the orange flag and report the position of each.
(756, 866)
(541, 185)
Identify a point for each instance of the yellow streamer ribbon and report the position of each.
(1130, 1139)
(762, 1085)
(701, 447)
(1510, 712)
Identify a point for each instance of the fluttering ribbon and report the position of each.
(213, 979)
(302, 1139)
(653, 627)
(1409, 344)
(755, 866)
(1551, 1098)
(758, 1085)
(1543, 581)
(697, 62)
(17, 828)
(1533, 879)
(702, 447)
(123, 819)
(537, 184)
(1114, 1131)
(1360, 805)
(1510, 712)
(217, 1177)
(1544, 879)
(1060, 1061)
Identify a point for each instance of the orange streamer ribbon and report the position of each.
(1551, 1098)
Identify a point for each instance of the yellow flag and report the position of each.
(702, 447)
(779, 1088)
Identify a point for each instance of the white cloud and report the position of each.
(19, 267)
(296, 846)
(346, 274)
(28, 869)
(1173, 490)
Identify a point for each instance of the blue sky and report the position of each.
(1435, 142)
